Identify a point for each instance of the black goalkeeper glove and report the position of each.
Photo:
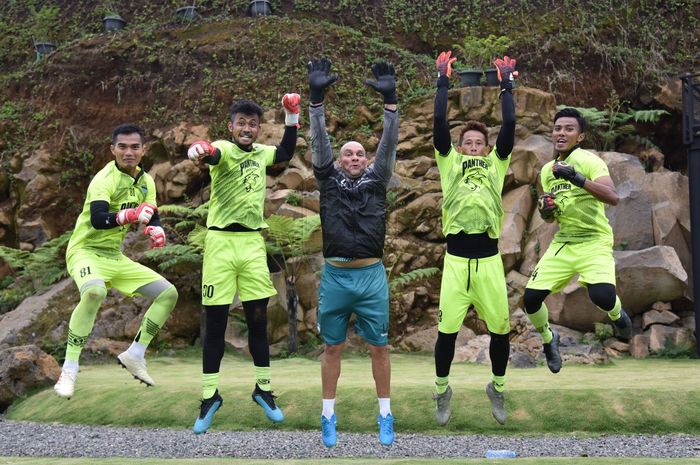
(319, 79)
(386, 81)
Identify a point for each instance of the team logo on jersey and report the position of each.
(250, 181)
(250, 171)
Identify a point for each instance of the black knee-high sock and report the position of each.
(444, 353)
(256, 320)
(499, 350)
(213, 346)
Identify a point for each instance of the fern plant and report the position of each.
(395, 284)
(188, 224)
(33, 271)
(288, 243)
(616, 123)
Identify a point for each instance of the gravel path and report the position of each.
(20, 438)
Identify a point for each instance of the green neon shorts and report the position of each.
(473, 281)
(592, 260)
(235, 261)
(119, 272)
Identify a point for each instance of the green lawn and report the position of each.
(628, 396)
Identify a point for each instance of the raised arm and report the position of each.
(319, 79)
(285, 150)
(385, 84)
(441, 131)
(506, 136)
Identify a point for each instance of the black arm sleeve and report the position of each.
(441, 131)
(506, 136)
(285, 151)
(213, 159)
(155, 220)
(100, 217)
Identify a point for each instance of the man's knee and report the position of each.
(533, 299)
(602, 295)
(333, 350)
(94, 294)
(168, 296)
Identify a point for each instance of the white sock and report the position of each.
(70, 365)
(137, 349)
(384, 406)
(328, 408)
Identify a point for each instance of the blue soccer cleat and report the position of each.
(267, 401)
(386, 429)
(328, 431)
(206, 412)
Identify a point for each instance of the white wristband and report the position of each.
(291, 119)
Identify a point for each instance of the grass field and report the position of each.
(628, 396)
(359, 461)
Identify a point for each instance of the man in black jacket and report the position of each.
(353, 198)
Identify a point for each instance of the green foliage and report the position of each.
(402, 280)
(75, 162)
(478, 52)
(188, 224)
(34, 270)
(294, 198)
(289, 238)
(616, 123)
(603, 331)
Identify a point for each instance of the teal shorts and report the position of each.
(363, 291)
(473, 281)
(592, 260)
(119, 272)
(235, 262)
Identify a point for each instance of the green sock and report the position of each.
(262, 378)
(441, 383)
(155, 317)
(614, 314)
(498, 382)
(83, 318)
(540, 320)
(210, 381)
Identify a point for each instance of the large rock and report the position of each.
(424, 340)
(647, 276)
(667, 337)
(517, 205)
(528, 158)
(414, 168)
(654, 317)
(422, 217)
(24, 368)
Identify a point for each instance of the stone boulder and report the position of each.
(424, 340)
(174, 181)
(663, 337)
(647, 276)
(529, 156)
(24, 368)
(415, 167)
(517, 205)
(655, 317)
(422, 217)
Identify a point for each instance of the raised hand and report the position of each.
(444, 63)
(140, 214)
(563, 170)
(199, 150)
(290, 102)
(506, 71)
(319, 78)
(546, 206)
(386, 81)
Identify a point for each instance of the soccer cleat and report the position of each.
(328, 431)
(65, 386)
(551, 352)
(135, 366)
(267, 401)
(206, 412)
(386, 429)
(442, 407)
(623, 326)
(498, 409)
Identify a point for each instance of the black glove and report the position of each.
(563, 170)
(546, 205)
(319, 78)
(386, 81)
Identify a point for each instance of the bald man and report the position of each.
(353, 198)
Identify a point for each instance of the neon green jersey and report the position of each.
(581, 216)
(121, 191)
(238, 185)
(471, 188)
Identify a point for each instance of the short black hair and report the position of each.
(128, 128)
(571, 113)
(245, 107)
